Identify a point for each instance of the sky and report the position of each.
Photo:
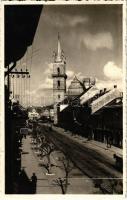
(91, 38)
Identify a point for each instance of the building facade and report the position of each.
(75, 87)
(79, 86)
(97, 116)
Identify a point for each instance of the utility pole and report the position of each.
(9, 72)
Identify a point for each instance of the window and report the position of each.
(58, 83)
(58, 70)
(58, 96)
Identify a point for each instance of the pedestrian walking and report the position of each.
(107, 138)
(110, 141)
(34, 182)
(89, 131)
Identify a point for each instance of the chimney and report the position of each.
(100, 91)
(105, 90)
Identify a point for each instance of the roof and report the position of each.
(75, 84)
(20, 26)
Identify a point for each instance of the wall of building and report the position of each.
(61, 67)
(106, 123)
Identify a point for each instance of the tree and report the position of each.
(61, 183)
(66, 165)
(46, 149)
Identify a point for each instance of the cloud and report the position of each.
(47, 84)
(43, 95)
(63, 20)
(76, 20)
(112, 71)
(109, 84)
(49, 69)
(70, 74)
(98, 41)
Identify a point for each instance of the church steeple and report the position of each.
(59, 51)
(59, 74)
(59, 79)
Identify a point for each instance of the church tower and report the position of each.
(59, 74)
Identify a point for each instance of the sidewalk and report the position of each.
(78, 182)
(30, 163)
(92, 144)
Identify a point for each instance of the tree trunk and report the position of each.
(49, 164)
